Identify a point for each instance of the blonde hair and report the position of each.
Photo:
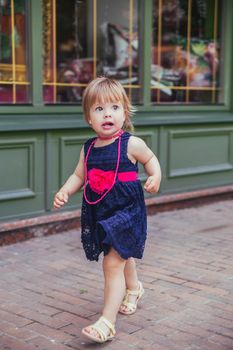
(102, 90)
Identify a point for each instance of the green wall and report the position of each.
(34, 164)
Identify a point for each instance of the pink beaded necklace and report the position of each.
(119, 134)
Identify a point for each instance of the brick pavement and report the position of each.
(49, 291)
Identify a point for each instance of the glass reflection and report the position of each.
(83, 39)
(13, 52)
(186, 50)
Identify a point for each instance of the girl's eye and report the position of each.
(115, 107)
(99, 109)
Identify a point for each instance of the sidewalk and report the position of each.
(48, 290)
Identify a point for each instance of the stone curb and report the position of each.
(20, 230)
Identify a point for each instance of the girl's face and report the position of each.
(107, 118)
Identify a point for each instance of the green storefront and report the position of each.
(174, 58)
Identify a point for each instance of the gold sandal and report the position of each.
(132, 307)
(103, 335)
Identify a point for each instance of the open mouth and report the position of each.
(107, 124)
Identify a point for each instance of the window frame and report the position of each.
(37, 106)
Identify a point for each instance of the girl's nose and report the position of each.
(107, 113)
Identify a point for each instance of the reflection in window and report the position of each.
(85, 39)
(14, 84)
(186, 51)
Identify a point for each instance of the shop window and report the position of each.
(187, 49)
(85, 39)
(14, 74)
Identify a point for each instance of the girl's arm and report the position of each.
(139, 151)
(72, 185)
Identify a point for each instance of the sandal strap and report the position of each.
(136, 292)
(130, 306)
(132, 292)
(102, 333)
(108, 324)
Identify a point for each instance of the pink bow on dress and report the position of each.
(100, 180)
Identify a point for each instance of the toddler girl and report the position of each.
(113, 218)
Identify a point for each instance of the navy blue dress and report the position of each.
(119, 219)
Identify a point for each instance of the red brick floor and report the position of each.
(48, 291)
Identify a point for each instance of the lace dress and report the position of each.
(119, 219)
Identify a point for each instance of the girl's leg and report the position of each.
(131, 281)
(131, 276)
(114, 288)
(113, 267)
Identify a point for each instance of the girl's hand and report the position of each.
(152, 184)
(60, 199)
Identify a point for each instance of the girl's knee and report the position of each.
(113, 261)
(131, 262)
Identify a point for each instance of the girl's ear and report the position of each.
(89, 121)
